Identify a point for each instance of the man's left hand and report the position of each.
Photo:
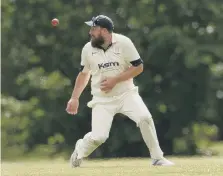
(107, 84)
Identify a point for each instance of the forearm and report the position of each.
(129, 73)
(80, 84)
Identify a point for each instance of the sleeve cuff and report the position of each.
(137, 62)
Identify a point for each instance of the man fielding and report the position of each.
(112, 61)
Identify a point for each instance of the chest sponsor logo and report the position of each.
(108, 64)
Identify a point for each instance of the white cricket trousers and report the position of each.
(131, 105)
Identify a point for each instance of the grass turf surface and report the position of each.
(188, 166)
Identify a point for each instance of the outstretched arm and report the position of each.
(80, 84)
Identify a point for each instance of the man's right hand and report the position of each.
(72, 106)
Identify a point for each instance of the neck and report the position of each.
(108, 41)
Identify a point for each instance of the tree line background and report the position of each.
(180, 41)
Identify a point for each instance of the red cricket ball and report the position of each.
(55, 22)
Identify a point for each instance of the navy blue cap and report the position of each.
(102, 21)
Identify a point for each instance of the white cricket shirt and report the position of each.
(115, 60)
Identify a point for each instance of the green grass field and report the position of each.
(196, 166)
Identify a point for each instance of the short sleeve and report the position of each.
(85, 67)
(130, 51)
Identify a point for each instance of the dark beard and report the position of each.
(98, 42)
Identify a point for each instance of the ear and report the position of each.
(104, 30)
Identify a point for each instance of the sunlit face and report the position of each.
(96, 34)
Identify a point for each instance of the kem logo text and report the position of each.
(108, 64)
